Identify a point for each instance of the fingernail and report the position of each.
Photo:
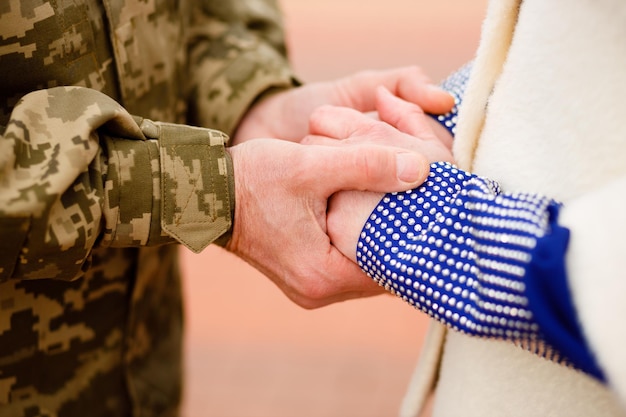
(409, 167)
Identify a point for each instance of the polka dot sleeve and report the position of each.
(461, 250)
(455, 84)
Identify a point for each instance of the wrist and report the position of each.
(347, 212)
(443, 134)
(458, 249)
(260, 117)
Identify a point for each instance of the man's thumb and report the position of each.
(373, 168)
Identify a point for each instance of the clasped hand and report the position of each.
(398, 123)
(282, 217)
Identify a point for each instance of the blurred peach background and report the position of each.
(249, 351)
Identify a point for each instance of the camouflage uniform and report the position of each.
(92, 198)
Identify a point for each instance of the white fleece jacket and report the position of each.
(544, 112)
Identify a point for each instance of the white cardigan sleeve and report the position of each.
(596, 270)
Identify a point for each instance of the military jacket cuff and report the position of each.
(178, 186)
(195, 184)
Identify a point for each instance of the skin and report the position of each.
(280, 215)
(282, 188)
(285, 115)
(403, 125)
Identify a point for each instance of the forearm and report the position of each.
(237, 52)
(482, 261)
(175, 184)
(78, 171)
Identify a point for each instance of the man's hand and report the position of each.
(285, 114)
(280, 216)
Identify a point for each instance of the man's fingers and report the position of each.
(345, 281)
(367, 167)
(429, 97)
(401, 114)
(352, 281)
(409, 83)
(327, 280)
(337, 122)
(321, 141)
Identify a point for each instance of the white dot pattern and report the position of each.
(455, 84)
(457, 248)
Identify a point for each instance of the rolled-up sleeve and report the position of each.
(77, 171)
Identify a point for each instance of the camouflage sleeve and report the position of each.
(237, 52)
(76, 171)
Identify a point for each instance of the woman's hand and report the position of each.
(402, 124)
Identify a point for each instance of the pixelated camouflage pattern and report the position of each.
(92, 198)
(239, 48)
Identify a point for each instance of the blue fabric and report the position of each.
(544, 308)
(484, 262)
(551, 303)
(455, 84)
(448, 249)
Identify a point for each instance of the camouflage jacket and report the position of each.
(92, 198)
